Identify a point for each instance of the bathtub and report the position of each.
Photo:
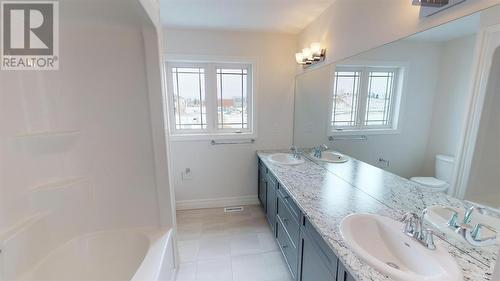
(136, 255)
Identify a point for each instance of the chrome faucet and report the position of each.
(414, 227)
(319, 150)
(472, 234)
(296, 152)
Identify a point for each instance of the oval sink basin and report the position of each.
(332, 157)
(381, 243)
(439, 216)
(285, 159)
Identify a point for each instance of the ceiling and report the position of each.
(287, 16)
(458, 28)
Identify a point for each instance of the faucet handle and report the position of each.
(429, 239)
(469, 211)
(410, 219)
(453, 221)
(476, 231)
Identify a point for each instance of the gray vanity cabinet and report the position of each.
(271, 200)
(318, 263)
(342, 274)
(307, 255)
(262, 186)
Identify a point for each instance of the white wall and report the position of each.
(227, 174)
(404, 150)
(92, 165)
(484, 177)
(450, 103)
(349, 27)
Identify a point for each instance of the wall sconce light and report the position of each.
(311, 55)
(430, 3)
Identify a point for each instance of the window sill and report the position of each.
(209, 137)
(366, 132)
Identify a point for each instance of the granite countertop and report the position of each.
(326, 194)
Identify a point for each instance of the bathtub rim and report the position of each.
(151, 264)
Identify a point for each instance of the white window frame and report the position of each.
(365, 67)
(212, 132)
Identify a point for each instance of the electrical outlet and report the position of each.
(383, 162)
(187, 174)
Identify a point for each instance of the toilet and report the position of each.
(443, 173)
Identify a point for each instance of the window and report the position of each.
(210, 98)
(189, 98)
(365, 98)
(232, 109)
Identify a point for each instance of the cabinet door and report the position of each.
(262, 192)
(343, 274)
(272, 186)
(313, 266)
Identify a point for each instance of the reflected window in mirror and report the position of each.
(365, 99)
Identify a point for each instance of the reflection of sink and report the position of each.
(381, 243)
(332, 157)
(285, 159)
(439, 216)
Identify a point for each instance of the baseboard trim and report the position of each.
(216, 202)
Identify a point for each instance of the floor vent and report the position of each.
(233, 209)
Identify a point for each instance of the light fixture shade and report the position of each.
(299, 57)
(316, 48)
(307, 53)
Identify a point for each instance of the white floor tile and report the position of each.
(261, 267)
(188, 250)
(186, 272)
(215, 246)
(214, 270)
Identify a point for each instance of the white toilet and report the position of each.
(443, 174)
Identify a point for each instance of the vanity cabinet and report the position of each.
(262, 185)
(271, 200)
(288, 230)
(307, 255)
(318, 263)
(343, 274)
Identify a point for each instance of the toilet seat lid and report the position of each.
(430, 182)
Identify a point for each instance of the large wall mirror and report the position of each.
(424, 108)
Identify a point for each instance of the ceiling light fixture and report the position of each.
(311, 55)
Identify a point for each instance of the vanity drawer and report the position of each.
(289, 250)
(290, 223)
(292, 207)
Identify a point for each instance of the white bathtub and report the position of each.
(136, 255)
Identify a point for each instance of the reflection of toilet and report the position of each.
(443, 174)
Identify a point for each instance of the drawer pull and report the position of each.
(284, 246)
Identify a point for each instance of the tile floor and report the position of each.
(218, 246)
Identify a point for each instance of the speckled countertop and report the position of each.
(326, 193)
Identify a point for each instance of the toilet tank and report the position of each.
(444, 167)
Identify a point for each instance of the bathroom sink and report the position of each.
(439, 216)
(332, 157)
(381, 243)
(285, 159)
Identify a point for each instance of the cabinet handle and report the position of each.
(284, 246)
(285, 220)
